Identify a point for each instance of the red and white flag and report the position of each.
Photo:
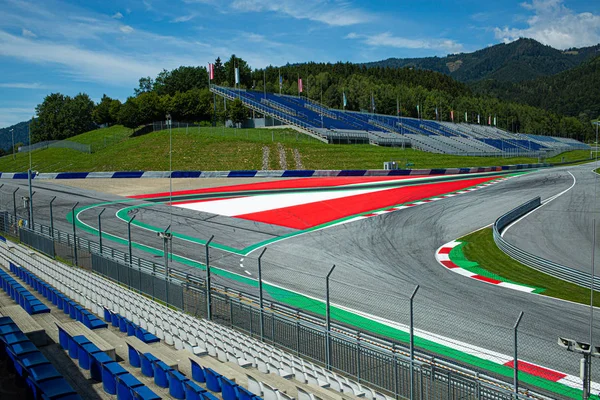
(452, 115)
(211, 71)
(490, 120)
(300, 89)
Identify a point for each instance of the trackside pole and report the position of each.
(74, 234)
(52, 218)
(29, 177)
(516, 360)
(129, 242)
(15, 204)
(100, 229)
(208, 299)
(412, 344)
(260, 297)
(328, 320)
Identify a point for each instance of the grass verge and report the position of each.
(481, 248)
(209, 149)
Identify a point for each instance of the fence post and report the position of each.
(30, 200)
(516, 360)
(52, 219)
(260, 297)
(100, 230)
(208, 305)
(412, 344)
(15, 204)
(328, 320)
(74, 233)
(130, 252)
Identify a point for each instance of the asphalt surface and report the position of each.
(562, 230)
(378, 261)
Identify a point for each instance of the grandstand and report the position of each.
(339, 126)
(75, 334)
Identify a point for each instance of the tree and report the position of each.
(101, 114)
(245, 72)
(237, 111)
(149, 108)
(129, 115)
(219, 71)
(113, 110)
(146, 85)
(60, 117)
(181, 79)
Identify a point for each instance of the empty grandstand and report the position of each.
(340, 126)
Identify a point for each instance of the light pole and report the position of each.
(328, 320)
(166, 236)
(208, 288)
(588, 352)
(12, 131)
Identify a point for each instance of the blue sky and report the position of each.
(98, 47)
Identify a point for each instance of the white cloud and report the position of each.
(117, 15)
(388, 40)
(20, 85)
(554, 24)
(28, 33)
(184, 18)
(126, 29)
(333, 13)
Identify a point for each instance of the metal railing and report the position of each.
(373, 361)
(538, 263)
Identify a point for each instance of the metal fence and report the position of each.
(375, 362)
(62, 144)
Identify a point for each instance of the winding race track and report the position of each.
(382, 246)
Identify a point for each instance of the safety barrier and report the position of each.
(538, 263)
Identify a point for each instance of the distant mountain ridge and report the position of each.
(521, 60)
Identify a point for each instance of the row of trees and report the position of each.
(184, 93)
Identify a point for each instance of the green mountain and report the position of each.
(523, 59)
(21, 135)
(574, 92)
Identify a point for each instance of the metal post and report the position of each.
(516, 359)
(129, 240)
(74, 234)
(208, 305)
(328, 320)
(100, 229)
(30, 197)
(52, 218)
(412, 344)
(589, 363)
(260, 297)
(15, 204)
(166, 256)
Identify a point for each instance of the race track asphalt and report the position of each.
(378, 261)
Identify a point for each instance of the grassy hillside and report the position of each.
(231, 149)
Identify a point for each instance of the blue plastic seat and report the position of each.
(123, 324)
(110, 371)
(148, 361)
(84, 354)
(130, 328)
(96, 362)
(160, 374)
(144, 393)
(74, 344)
(192, 390)
(197, 372)
(55, 388)
(228, 389)
(6, 321)
(43, 372)
(208, 396)
(244, 394)
(14, 338)
(176, 384)
(22, 348)
(115, 320)
(63, 338)
(32, 359)
(9, 328)
(134, 356)
(212, 380)
(107, 315)
(125, 383)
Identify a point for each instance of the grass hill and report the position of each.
(521, 60)
(570, 92)
(233, 149)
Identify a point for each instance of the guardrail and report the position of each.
(538, 263)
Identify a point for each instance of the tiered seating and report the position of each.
(42, 379)
(127, 326)
(115, 379)
(21, 295)
(181, 330)
(69, 307)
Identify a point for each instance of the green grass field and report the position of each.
(482, 249)
(114, 149)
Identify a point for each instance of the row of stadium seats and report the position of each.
(181, 330)
(21, 295)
